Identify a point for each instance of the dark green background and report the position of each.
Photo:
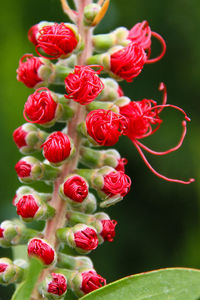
(158, 222)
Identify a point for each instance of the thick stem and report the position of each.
(59, 219)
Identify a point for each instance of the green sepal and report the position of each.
(73, 262)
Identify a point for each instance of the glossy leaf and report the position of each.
(165, 284)
(24, 290)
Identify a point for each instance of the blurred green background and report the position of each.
(158, 222)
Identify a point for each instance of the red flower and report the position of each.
(56, 40)
(91, 281)
(116, 183)
(32, 34)
(108, 230)
(23, 169)
(121, 163)
(57, 147)
(83, 85)
(58, 285)
(27, 206)
(141, 35)
(105, 126)
(128, 62)
(75, 188)
(3, 267)
(40, 107)
(19, 136)
(86, 239)
(42, 250)
(141, 115)
(27, 71)
(1, 232)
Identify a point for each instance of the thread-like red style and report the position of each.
(116, 183)
(128, 62)
(121, 164)
(32, 34)
(141, 34)
(84, 85)
(19, 137)
(57, 147)
(141, 116)
(27, 71)
(108, 230)
(40, 107)
(75, 188)
(27, 206)
(23, 169)
(58, 285)
(91, 281)
(3, 267)
(42, 250)
(56, 40)
(86, 239)
(105, 126)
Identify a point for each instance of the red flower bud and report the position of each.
(3, 267)
(91, 281)
(105, 126)
(19, 136)
(40, 107)
(23, 169)
(141, 35)
(75, 188)
(32, 33)
(57, 147)
(116, 183)
(121, 163)
(27, 71)
(128, 62)
(56, 40)
(42, 250)
(58, 285)
(83, 85)
(108, 230)
(1, 232)
(27, 206)
(86, 239)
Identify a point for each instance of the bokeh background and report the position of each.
(158, 222)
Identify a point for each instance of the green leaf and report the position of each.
(24, 290)
(165, 284)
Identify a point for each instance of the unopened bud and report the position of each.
(15, 233)
(90, 12)
(10, 272)
(30, 169)
(86, 281)
(58, 148)
(29, 138)
(31, 207)
(81, 237)
(42, 250)
(54, 286)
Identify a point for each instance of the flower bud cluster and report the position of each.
(94, 112)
